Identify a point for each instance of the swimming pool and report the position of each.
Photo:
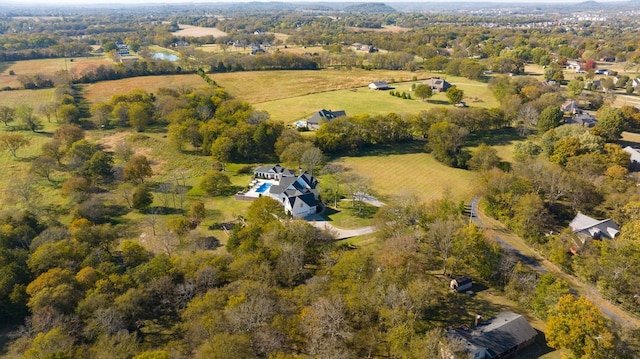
(263, 187)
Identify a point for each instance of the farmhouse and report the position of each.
(298, 194)
(499, 337)
(379, 85)
(318, 118)
(587, 228)
(438, 84)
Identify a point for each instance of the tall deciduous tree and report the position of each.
(578, 326)
(137, 169)
(14, 141)
(454, 94)
(214, 183)
(423, 91)
(550, 117)
(7, 114)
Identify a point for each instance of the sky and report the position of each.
(130, 2)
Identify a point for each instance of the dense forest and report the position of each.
(78, 280)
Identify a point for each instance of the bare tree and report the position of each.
(442, 238)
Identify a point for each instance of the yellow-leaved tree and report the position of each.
(577, 325)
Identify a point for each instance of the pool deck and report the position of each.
(256, 183)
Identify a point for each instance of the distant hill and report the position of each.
(370, 8)
(588, 4)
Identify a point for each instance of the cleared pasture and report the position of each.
(414, 173)
(48, 67)
(198, 31)
(103, 91)
(31, 98)
(264, 86)
(364, 101)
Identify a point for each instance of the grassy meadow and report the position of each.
(103, 91)
(48, 67)
(300, 93)
(31, 98)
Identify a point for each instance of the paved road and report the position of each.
(543, 266)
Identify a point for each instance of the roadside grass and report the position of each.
(103, 91)
(348, 215)
(396, 174)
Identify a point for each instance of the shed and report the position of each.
(379, 85)
(461, 284)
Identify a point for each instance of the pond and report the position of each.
(164, 56)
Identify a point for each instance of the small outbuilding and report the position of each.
(379, 85)
(461, 284)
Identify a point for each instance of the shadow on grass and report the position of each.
(204, 243)
(439, 102)
(162, 210)
(404, 148)
(499, 137)
(537, 349)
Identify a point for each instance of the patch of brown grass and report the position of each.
(49, 67)
(103, 91)
(198, 31)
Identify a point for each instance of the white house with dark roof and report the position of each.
(583, 119)
(298, 194)
(273, 172)
(500, 337)
(587, 228)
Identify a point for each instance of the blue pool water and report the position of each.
(263, 187)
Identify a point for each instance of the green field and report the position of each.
(414, 174)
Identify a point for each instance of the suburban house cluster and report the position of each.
(297, 193)
(500, 337)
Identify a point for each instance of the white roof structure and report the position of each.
(593, 228)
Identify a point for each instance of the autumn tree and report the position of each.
(577, 325)
(484, 158)
(574, 88)
(137, 169)
(197, 211)
(14, 141)
(29, 120)
(7, 114)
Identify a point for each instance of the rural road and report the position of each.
(516, 245)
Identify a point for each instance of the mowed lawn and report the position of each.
(48, 67)
(412, 174)
(104, 90)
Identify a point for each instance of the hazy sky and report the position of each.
(129, 2)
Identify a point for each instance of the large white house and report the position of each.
(297, 193)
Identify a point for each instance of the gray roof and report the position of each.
(324, 115)
(583, 119)
(570, 106)
(594, 228)
(380, 84)
(282, 186)
(438, 84)
(502, 334)
(275, 169)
